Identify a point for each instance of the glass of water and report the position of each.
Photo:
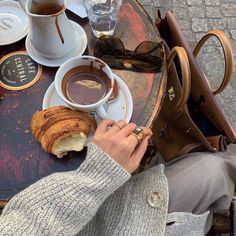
(102, 15)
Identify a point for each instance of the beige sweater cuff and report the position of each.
(103, 169)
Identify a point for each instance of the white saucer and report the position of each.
(14, 23)
(81, 42)
(121, 108)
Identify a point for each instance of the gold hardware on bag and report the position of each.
(171, 93)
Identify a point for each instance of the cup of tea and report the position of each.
(85, 83)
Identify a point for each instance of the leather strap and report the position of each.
(185, 73)
(228, 54)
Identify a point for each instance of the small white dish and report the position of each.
(81, 42)
(120, 108)
(14, 23)
(77, 7)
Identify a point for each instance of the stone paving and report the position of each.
(196, 17)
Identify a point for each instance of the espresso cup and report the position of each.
(85, 83)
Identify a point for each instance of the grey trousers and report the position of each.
(201, 181)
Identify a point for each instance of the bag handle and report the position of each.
(185, 73)
(228, 54)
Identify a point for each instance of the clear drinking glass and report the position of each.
(102, 15)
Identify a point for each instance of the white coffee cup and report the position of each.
(66, 82)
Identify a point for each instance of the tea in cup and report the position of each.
(85, 83)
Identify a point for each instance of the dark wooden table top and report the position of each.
(22, 160)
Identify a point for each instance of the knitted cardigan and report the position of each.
(100, 198)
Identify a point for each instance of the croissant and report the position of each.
(60, 129)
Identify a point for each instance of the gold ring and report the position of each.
(118, 126)
(138, 134)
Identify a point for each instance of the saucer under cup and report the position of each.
(120, 108)
(14, 23)
(81, 42)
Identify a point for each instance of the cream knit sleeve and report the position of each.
(63, 203)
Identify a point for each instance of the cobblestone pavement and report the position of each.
(196, 17)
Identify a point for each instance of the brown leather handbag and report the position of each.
(191, 119)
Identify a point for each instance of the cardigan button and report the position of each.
(154, 199)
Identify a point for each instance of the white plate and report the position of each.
(14, 23)
(81, 42)
(77, 7)
(121, 108)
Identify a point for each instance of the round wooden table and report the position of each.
(22, 160)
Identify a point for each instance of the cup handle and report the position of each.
(101, 112)
(22, 3)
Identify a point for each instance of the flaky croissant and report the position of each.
(60, 129)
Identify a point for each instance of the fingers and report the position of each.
(124, 143)
(117, 126)
(134, 139)
(140, 151)
(125, 131)
(122, 128)
(104, 125)
(146, 131)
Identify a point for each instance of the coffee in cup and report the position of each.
(48, 8)
(85, 83)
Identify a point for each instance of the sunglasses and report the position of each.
(148, 56)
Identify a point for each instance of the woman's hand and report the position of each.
(118, 141)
